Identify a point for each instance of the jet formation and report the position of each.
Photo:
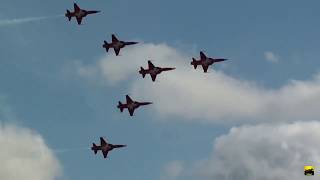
(104, 147)
(116, 44)
(131, 105)
(205, 61)
(153, 70)
(78, 13)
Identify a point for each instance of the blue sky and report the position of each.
(46, 94)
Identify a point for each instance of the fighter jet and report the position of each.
(153, 71)
(78, 13)
(204, 61)
(116, 44)
(104, 147)
(131, 105)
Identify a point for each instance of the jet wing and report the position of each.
(76, 7)
(102, 141)
(131, 111)
(151, 66)
(114, 38)
(105, 154)
(79, 20)
(153, 77)
(117, 51)
(129, 100)
(202, 55)
(205, 68)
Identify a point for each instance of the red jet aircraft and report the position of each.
(104, 147)
(116, 44)
(131, 105)
(205, 61)
(153, 71)
(78, 13)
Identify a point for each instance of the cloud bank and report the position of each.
(213, 97)
(262, 152)
(24, 155)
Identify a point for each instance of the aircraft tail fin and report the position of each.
(120, 106)
(194, 63)
(94, 148)
(142, 72)
(68, 15)
(106, 46)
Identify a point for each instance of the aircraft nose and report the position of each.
(168, 69)
(93, 12)
(131, 43)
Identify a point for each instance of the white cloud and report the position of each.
(23, 152)
(24, 155)
(85, 71)
(263, 152)
(173, 170)
(271, 57)
(212, 97)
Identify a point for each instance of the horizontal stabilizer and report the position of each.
(68, 15)
(94, 148)
(194, 63)
(120, 106)
(142, 72)
(106, 45)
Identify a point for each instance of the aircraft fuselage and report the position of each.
(207, 61)
(118, 45)
(106, 148)
(154, 71)
(80, 14)
(133, 105)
